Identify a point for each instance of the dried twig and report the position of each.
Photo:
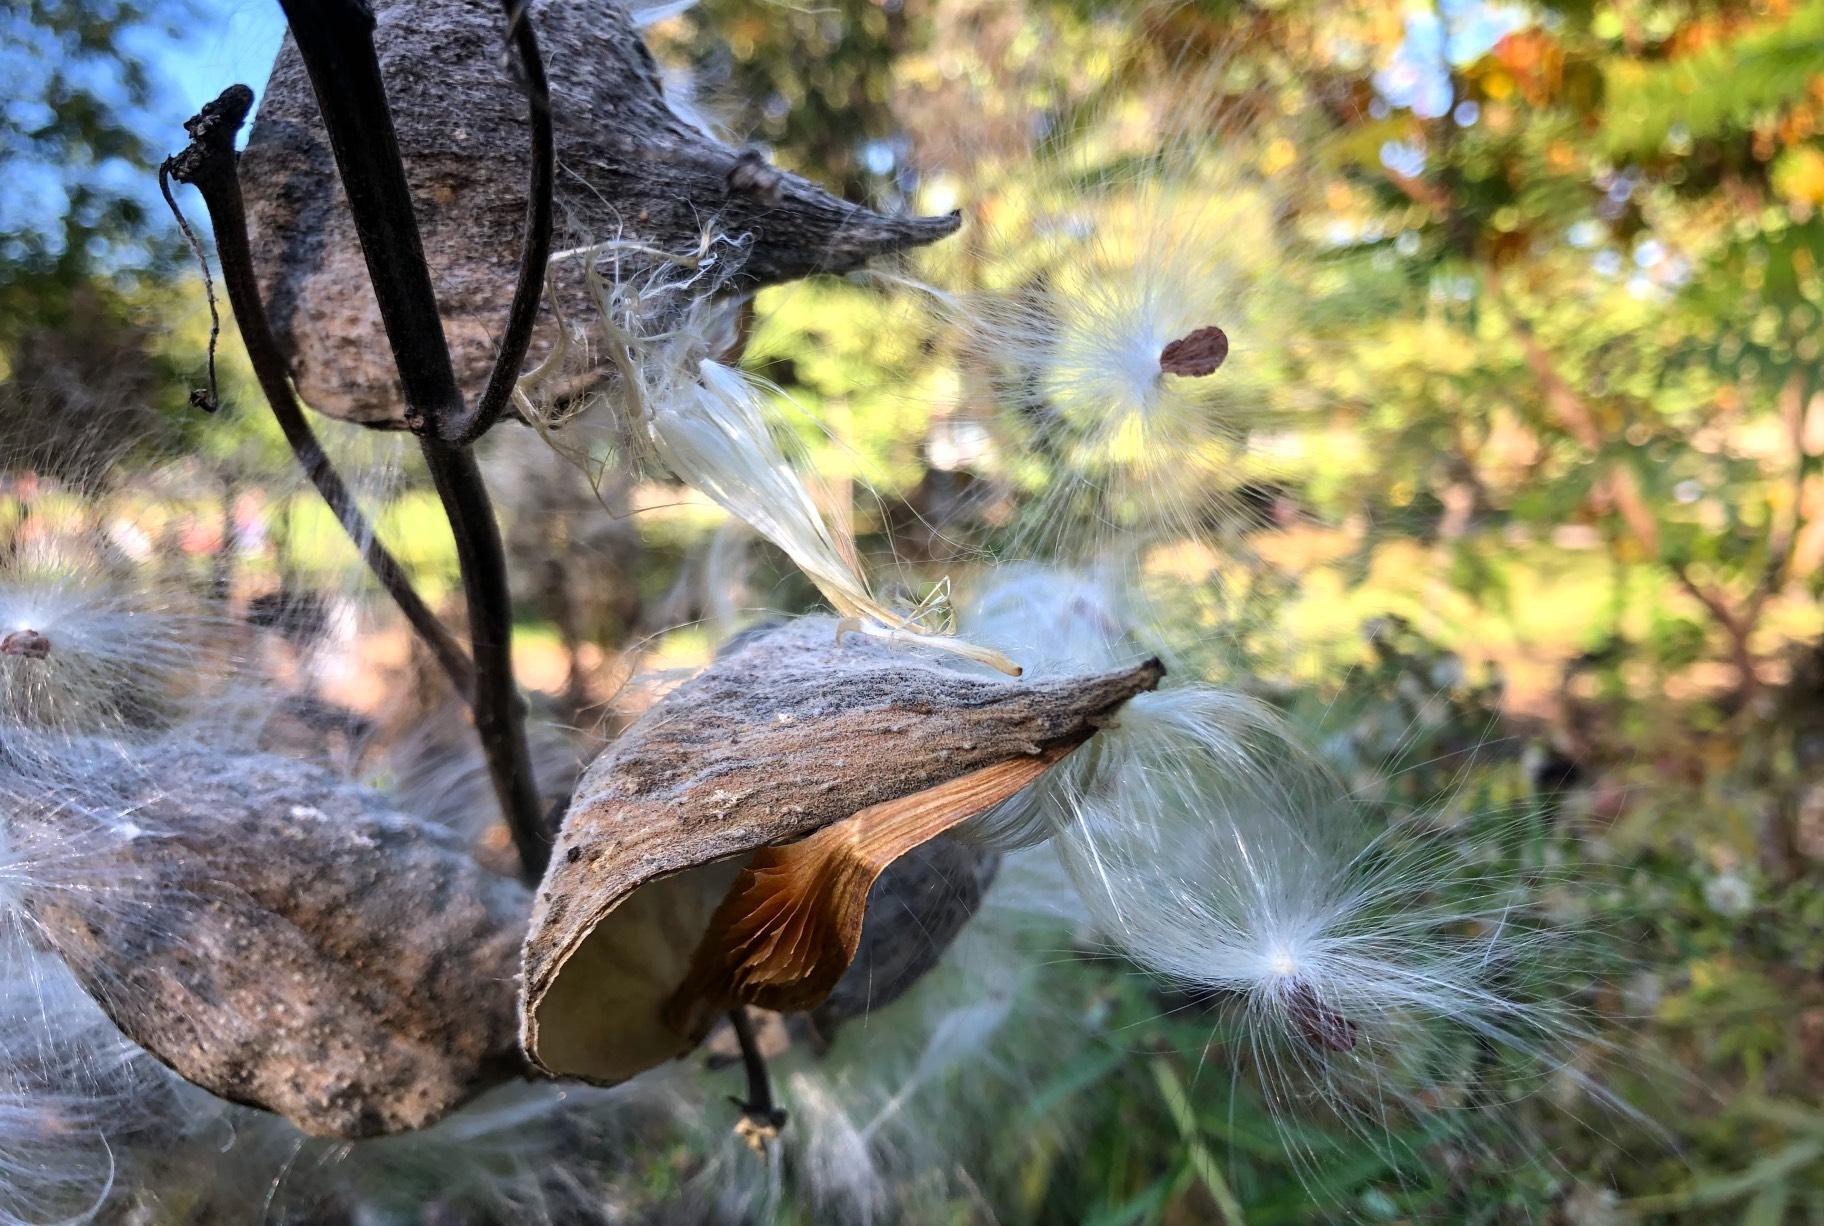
(335, 38)
(208, 401)
(208, 164)
(761, 1117)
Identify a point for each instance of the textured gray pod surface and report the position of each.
(628, 168)
(278, 935)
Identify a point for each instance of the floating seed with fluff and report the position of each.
(1367, 967)
(1133, 323)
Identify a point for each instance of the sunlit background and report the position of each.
(1523, 511)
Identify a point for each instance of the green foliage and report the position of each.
(77, 147)
(1724, 87)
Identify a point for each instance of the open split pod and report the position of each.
(723, 850)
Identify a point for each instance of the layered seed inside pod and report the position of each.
(722, 851)
(274, 933)
(915, 911)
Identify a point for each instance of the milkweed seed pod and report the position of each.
(722, 850)
(632, 171)
(275, 934)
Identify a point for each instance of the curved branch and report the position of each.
(336, 40)
(535, 250)
(208, 165)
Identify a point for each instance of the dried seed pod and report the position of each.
(723, 849)
(276, 934)
(631, 170)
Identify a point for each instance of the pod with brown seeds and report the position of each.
(722, 851)
(276, 934)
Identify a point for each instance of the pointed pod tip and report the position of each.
(862, 234)
(940, 226)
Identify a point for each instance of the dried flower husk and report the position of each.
(275, 933)
(700, 828)
(631, 171)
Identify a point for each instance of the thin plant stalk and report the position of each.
(335, 39)
(209, 166)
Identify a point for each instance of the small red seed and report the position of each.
(1197, 354)
(27, 643)
(1317, 1023)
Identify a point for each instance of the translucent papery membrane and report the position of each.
(713, 433)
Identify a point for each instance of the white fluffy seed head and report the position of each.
(1367, 963)
(92, 644)
(65, 1082)
(1054, 621)
(1373, 969)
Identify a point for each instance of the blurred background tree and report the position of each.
(86, 249)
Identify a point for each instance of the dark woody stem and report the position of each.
(758, 1109)
(335, 39)
(535, 248)
(208, 165)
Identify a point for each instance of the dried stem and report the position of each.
(498, 710)
(208, 164)
(761, 1117)
(208, 401)
(535, 250)
(335, 38)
